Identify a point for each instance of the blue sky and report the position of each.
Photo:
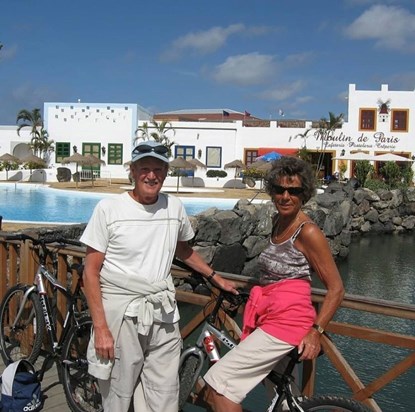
(260, 57)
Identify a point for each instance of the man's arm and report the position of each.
(104, 342)
(189, 256)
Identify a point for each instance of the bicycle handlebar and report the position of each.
(234, 300)
(43, 241)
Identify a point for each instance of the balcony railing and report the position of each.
(18, 263)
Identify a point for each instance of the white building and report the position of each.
(379, 121)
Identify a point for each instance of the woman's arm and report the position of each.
(313, 244)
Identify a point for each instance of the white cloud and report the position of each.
(283, 92)
(298, 59)
(246, 69)
(208, 41)
(303, 99)
(390, 27)
(202, 42)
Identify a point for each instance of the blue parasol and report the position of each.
(269, 157)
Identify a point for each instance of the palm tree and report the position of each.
(327, 127)
(31, 119)
(157, 132)
(42, 145)
(39, 143)
(303, 136)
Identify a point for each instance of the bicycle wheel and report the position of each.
(81, 389)
(187, 378)
(20, 338)
(332, 403)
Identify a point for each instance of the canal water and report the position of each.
(381, 267)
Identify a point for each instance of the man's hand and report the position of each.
(224, 284)
(104, 343)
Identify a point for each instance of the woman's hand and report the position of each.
(310, 346)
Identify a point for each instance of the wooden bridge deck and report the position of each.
(53, 390)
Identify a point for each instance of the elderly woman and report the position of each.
(279, 314)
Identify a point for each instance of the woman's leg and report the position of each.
(220, 403)
(243, 368)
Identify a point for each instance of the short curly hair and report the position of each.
(291, 166)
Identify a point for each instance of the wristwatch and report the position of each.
(318, 328)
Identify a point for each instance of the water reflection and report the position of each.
(380, 267)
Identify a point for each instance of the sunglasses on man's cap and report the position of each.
(145, 148)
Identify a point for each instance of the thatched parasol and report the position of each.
(31, 158)
(196, 163)
(235, 164)
(261, 165)
(88, 160)
(181, 164)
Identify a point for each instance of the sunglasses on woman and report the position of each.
(292, 191)
(144, 148)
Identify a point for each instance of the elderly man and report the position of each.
(131, 241)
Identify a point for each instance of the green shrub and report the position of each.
(362, 170)
(375, 184)
(8, 166)
(407, 175)
(392, 174)
(254, 173)
(216, 173)
(33, 166)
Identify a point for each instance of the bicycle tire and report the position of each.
(332, 403)
(24, 341)
(187, 378)
(81, 389)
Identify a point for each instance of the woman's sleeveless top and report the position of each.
(283, 261)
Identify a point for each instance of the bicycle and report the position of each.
(27, 318)
(194, 358)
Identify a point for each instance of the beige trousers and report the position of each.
(146, 367)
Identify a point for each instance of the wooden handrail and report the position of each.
(17, 263)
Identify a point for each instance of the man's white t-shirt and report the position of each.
(138, 239)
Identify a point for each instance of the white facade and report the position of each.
(379, 121)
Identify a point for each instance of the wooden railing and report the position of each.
(18, 263)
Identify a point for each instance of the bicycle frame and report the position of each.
(199, 348)
(282, 382)
(41, 274)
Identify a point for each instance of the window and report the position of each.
(400, 120)
(114, 154)
(367, 119)
(213, 156)
(186, 152)
(62, 150)
(250, 156)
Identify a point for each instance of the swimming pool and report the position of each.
(37, 203)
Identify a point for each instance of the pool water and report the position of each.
(37, 203)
